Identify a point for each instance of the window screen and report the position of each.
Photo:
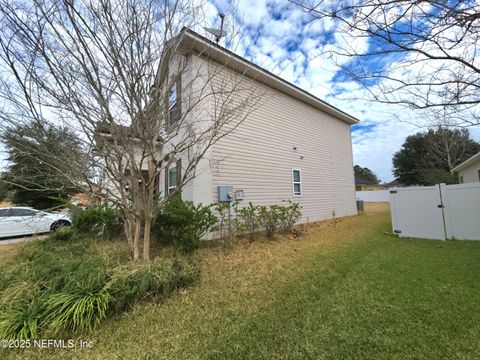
(174, 111)
(297, 182)
(172, 179)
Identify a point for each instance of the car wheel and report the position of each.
(59, 224)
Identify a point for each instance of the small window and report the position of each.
(460, 178)
(172, 96)
(297, 182)
(172, 179)
(174, 112)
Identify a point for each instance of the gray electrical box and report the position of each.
(225, 193)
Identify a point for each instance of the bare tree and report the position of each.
(122, 76)
(422, 54)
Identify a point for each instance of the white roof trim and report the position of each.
(209, 49)
(466, 163)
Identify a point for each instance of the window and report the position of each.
(173, 106)
(22, 212)
(4, 212)
(297, 182)
(172, 179)
(479, 175)
(172, 96)
(460, 179)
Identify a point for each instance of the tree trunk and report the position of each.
(146, 238)
(136, 239)
(149, 206)
(128, 230)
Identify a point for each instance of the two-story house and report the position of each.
(293, 146)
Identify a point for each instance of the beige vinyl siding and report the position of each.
(193, 81)
(470, 174)
(258, 157)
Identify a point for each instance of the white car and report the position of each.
(17, 221)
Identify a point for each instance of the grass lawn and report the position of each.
(9, 251)
(347, 290)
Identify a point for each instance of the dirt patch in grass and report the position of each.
(9, 251)
(375, 208)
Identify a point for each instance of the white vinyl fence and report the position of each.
(374, 196)
(437, 212)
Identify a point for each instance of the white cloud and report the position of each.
(385, 126)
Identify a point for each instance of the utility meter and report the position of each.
(225, 193)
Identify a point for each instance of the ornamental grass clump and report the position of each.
(57, 287)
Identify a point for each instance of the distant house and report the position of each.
(469, 170)
(93, 197)
(366, 185)
(394, 183)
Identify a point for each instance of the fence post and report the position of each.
(393, 209)
(445, 210)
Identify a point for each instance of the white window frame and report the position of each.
(297, 182)
(174, 186)
(173, 103)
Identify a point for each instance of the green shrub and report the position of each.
(102, 221)
(289, 215)
(248, 220)
(274, 217)
(185, 272)
(269, 218)
(226, 227)
(57, 272)
(183, 224)
(63, 234)
(149, 282)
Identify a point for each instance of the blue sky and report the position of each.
(280, 38)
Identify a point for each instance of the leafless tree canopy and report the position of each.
(431, 48)
(115, 72)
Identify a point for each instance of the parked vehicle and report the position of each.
(16, 221)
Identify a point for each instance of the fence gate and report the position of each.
(417, 212)
(437, 212)
(462, 211)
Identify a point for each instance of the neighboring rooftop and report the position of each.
(467, 163)
(361, 181)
